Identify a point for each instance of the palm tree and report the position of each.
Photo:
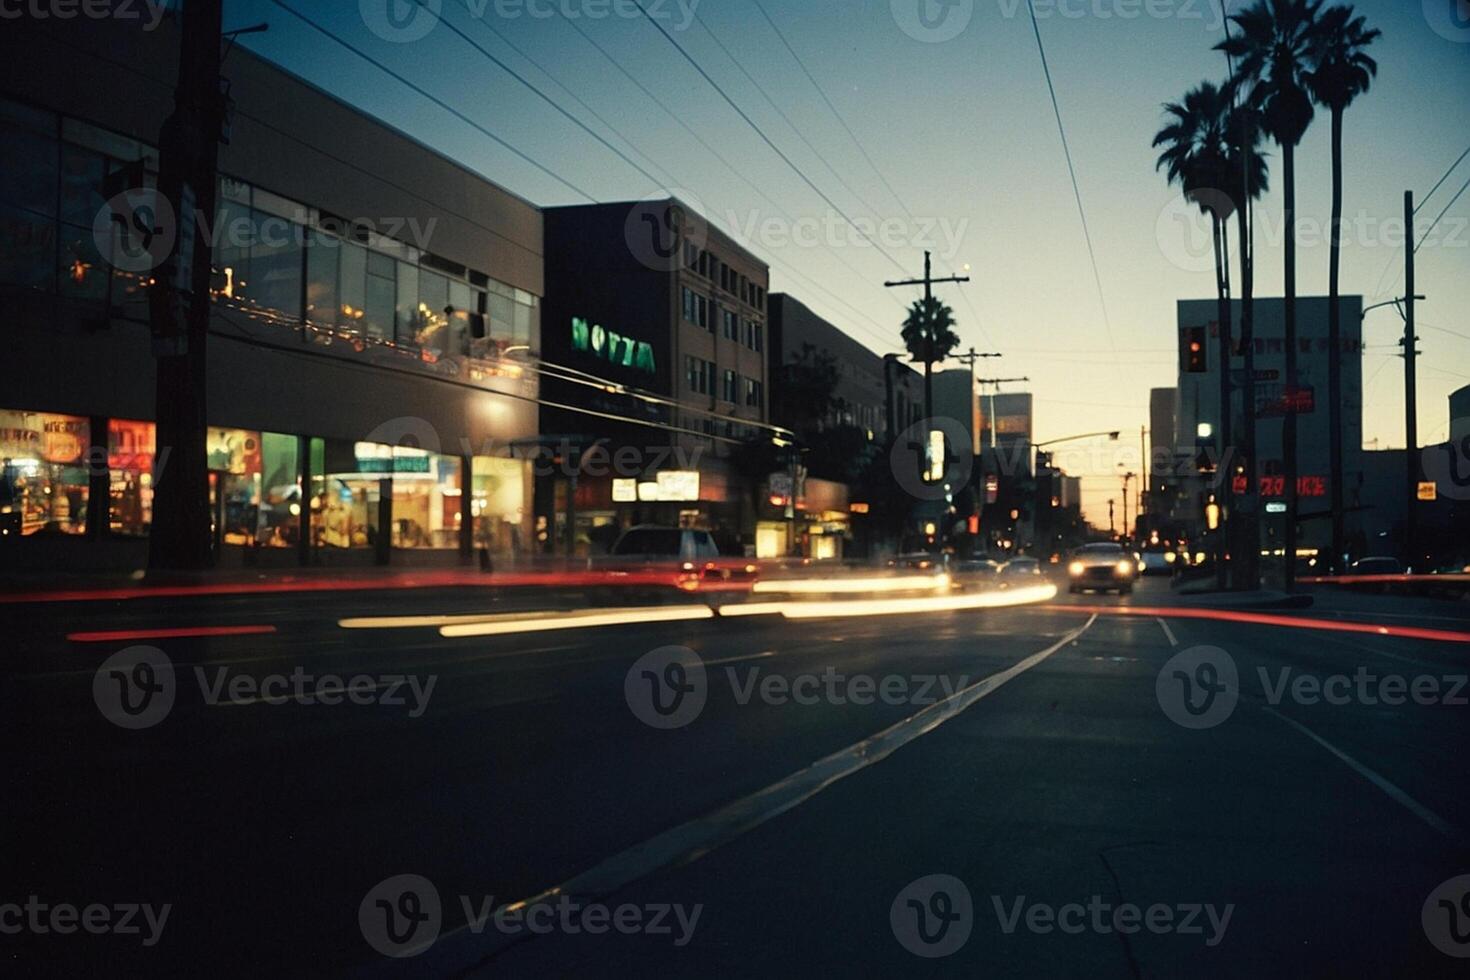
(1198, 157)
(1343, 72)
(1274, 46)
(928, 336)
(1247, 177)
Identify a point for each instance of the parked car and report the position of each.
(1376, 565)
(1103, 566)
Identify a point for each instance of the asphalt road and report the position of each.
(786, 815)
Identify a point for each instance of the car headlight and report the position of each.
(1170, 558)
(1125, 567)
(1076, 568)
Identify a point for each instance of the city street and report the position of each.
(1286, 835)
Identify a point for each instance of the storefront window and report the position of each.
(130, 449)
(275, 265)
(43, 471)
(426, 499)
(345, 492)
(501, 504)
(259, 488)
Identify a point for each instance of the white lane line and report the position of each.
(1418, 809)
(463, 950)
(1173, 641)
(1383, 653)
(743, 656)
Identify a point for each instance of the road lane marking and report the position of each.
(565, 621)
(744, 656)
(1393, 792)
(1168, 632)
(460, 951)
(844, 608)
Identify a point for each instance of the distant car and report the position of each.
(977, 568)
(690, 553)
(1020, 569)
(1103, 566)
(1376, 566)
(920, 560)
(1158, 562)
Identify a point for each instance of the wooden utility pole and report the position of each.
(1411, 413)
(971, 359)
(179, 300)
(928, 283)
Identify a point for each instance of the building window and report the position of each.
(731, 322)
(426, 499)
(130, 448)
(754, 393)
(380, 296)
(730, 387)
(257, 483)
(701, 375)
(45, 477)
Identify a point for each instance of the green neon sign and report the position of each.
(611, 346)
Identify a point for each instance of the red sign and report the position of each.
(1275, 486)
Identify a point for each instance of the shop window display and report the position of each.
(43, 471)
(130, 456)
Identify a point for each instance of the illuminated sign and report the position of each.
(678, 485)
(611, 347)
(1276, 507)
(648, 491)
(1428, 490)
(1275, 486)
(624, 491)
(934, 472)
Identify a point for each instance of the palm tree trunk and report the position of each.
(1288, 423)
(1248, 506)
(1222, 465)
(1334, 345)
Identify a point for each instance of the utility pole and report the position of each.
(1126, 478)
(928, 283)
(1411, 415)
(1112, 531)
(970, 359)
(1145, 492)
(179, 300)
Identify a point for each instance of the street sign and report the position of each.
(1275, 507)
(1428, 490)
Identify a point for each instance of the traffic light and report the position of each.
(1192, 351)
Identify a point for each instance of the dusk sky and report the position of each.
(962, 130)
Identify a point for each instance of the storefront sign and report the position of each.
(611, 347)
(624, 491)
(678, 485)
(1428, 490)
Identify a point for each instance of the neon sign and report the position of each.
(611, 347)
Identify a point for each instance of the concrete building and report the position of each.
(1199, 405)
(361, 394)
(648, 296)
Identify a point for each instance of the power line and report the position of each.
(761, 133)
(1378, 289)
(1072, 172)
(821, 92)
(1425, 237)
(434, 99)
(1441, 180)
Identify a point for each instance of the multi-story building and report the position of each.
(370, 298)
(655, 328)
(1198, 409)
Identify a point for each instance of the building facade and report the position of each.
(368, 295)
(655, 339)
(1198, 410)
